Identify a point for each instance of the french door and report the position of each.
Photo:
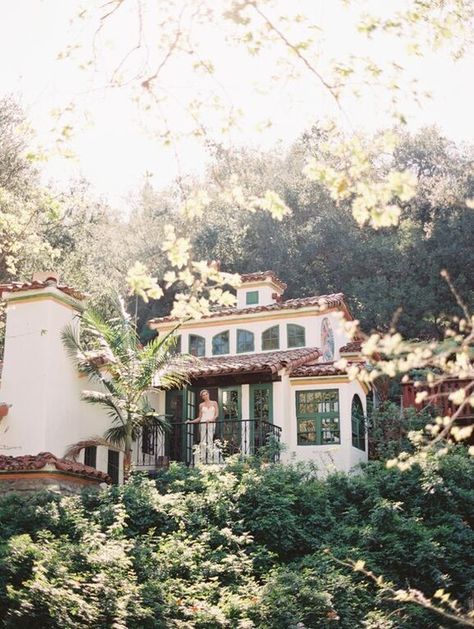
(230, 415)
(261, 412)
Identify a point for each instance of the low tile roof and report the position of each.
(334, 300)
(15, 287)
(265, 362)
(262, 275)
(312, 368)
(354, 347)
(30, 462)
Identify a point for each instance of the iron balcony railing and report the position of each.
(205, 442)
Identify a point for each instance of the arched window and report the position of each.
(296, 335)
(197, 345)
(220, 343)
(271, 338)
(245, 341)
(358, 423)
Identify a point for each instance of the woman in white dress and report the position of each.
(208, 414)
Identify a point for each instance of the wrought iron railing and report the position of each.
(205, 442)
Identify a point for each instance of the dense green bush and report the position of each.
(245, 546)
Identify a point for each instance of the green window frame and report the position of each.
(251, 297)
(317, 417)
(245, 341)
(113, 466)
(220, 343)
(271, 338)
(261, 402)
(296, 335)
(358, 423)
(90, 456)
(197, 345)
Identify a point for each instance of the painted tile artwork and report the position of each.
(327, 340)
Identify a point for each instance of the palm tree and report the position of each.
(109, 352)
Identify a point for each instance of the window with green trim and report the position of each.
(90, 456)
(296, 335)
(261, 402)
(271, 338)
(113, 469)
(197, 345)
(317, 416)
(358, 423)
(245, 341)
(251, 297)
(220, 343)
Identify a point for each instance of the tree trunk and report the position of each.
(127, 457)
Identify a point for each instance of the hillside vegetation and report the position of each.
(245, 546)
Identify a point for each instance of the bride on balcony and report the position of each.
(207, 451)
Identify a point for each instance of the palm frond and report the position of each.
(160, 421)
(73, 451)
(106, 400)
(116, 436)
(174, 373)
(71, 341)
(157, 358)
(107, 334)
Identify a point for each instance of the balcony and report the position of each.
(208, 443)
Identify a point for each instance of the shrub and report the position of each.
(242, 546)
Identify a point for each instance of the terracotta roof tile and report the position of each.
(265, 362)
(354, 347)
(262, 275)
(15, 287)
(312, 368)
(39, 461)
(323, 301)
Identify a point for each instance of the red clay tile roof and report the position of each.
(15, 287)
(39, 461)
(323, 301)
(312, 368)
(265, 362)
(353, 347)
(262, 275)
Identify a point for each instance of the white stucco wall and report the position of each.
(310, 321)
(265, 291)
(44, 388)
(41, 383)
(341, 456)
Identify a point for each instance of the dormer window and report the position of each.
(220, 343)
(197, 345)
(296, 335)
(262, 288)
(271, 338)
(251, 297)
(245, 341)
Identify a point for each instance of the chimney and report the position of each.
(39, 381)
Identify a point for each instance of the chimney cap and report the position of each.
(46, 277)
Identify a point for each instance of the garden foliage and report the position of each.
(245, 546)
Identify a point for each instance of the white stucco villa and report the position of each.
(267, 362)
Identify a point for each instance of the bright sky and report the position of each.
(114, 143)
